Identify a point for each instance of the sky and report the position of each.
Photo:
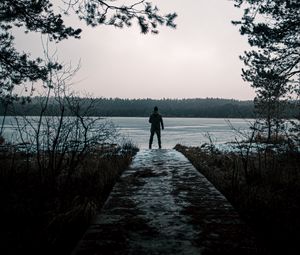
(198, 59)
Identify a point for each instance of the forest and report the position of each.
(206, 108)
(117, 107)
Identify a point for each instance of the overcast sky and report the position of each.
(198, 59)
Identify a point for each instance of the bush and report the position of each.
(51, 216)
(266, 194)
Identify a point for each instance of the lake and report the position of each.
(186, 131)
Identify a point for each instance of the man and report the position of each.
(155, 120)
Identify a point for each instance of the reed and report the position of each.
(49, 216)
(263, 186)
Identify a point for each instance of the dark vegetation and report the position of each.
(264, 186)
(197, 107)
(48, 213)
(272, 65)
(209, 107)
(117, 107)
(57, 174)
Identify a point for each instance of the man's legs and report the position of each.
(158, 138)
(151, 139)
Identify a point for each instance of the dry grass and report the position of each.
(264, 187)
(49, 215)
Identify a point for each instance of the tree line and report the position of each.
(197, 107)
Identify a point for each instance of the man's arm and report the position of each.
(162, 123)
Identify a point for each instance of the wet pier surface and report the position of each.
(163, 205)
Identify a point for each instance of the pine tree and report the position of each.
(272, 66)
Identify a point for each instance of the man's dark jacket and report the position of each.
(156, 120)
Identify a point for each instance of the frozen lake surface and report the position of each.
(186, 131)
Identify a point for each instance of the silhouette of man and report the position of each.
(155, 120)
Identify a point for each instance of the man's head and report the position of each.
(156, 109)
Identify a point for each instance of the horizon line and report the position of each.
(157, 99)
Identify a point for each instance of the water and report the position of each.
(186, 131)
